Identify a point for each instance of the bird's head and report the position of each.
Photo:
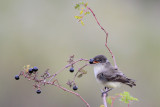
(99, 59)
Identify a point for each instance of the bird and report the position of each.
(108, 75)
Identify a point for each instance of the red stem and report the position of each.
(106, 36)
(112, 102)
(72, 93)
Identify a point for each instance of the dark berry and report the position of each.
(38, 91)
(35, 69)
(75, 87)
(91, 61)
(17, 77)
(30, 70)
(71, 70)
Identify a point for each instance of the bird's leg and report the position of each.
(106, 90)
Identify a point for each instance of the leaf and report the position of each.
(78, 17)
(109, 100)
(126, 97)
(77, 6)
(82, 22)
(87, 13)
(85, 4)
(126, 93)
(26, 68)
(101, 106)
(135, 99)
(83, 71)
(81, 12)
(82, 3)
(80, 75)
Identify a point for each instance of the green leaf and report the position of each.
(109, 100)
(126, 93)
(82, 3)
(77, 6)
(126, 97)
(101, 106)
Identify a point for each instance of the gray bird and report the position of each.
(108, 75)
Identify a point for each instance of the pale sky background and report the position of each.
(44, 33)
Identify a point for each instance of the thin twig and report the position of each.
(67, 67)
(106, 36)
(112, 102)
(79, 71)
(72, 93)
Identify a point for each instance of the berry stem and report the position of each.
(78, 72)
(67, 67)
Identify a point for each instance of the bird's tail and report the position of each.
(130, 82)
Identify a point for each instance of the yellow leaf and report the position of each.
(78, 17)
(81, 12)
(82, 22)
(26, 68)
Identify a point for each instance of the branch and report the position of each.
(104, 99)
(31, 74)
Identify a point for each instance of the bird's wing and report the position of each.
(114, 75)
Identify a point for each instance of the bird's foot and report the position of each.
(105, 91)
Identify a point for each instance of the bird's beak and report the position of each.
(92, 61)
(95, 62)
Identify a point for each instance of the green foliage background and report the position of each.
(45, 34)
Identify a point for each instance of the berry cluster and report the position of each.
(29, 72)
(34, 69)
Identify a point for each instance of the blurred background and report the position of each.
(44, 33)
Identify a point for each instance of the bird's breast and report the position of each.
(98, 69)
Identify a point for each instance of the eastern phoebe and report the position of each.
(108, 75)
